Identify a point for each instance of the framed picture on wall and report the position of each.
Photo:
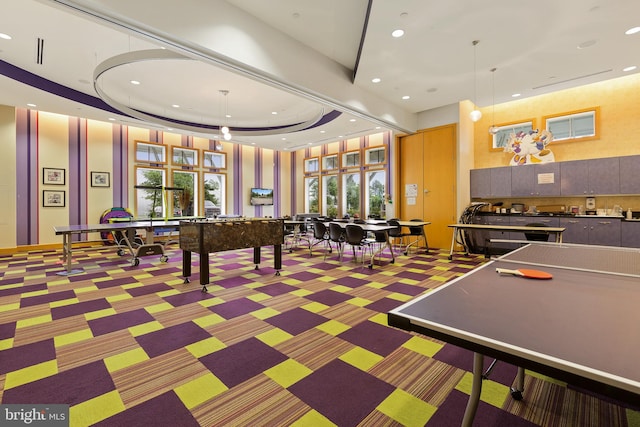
(100, 179)
(53, 176)
(53, 199)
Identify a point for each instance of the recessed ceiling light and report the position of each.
(274, 113)
(135, 82)
(175, 105)
(632, 31)
(169, 129)
(376, 80)
(31, 105)
(5, 36)
(515, 95)
(631, 68)
(406, 97)
(352, 120)
(111, 119)
(322, 131)
(284, 139)
(586, 44)
(397, 33)
(228, 116)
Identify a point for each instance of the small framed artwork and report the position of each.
(53, 176)
(53, 199)
(100, 179)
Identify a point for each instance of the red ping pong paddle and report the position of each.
(524, 272)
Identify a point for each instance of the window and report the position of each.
(375, 182)
(184, 202)
(214, 159)
(150, 200)
(311, 165)
(330, 163)
(330, 195)
(215, 194)
(350, 159)
(375, 156)
(500, 140)
(151, 152)
(351, 193)
(574, 125)
(181, 156)
(311, 200)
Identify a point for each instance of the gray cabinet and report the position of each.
(535, 180)
(490, 182)
(630, 234)
(590, 177)
(630, 175)
(592, 231)
(526, 220)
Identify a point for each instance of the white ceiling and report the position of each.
(303, 59)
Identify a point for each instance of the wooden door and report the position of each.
(428, 161)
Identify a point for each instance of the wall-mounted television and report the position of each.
(261, 196)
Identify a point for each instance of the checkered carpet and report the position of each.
(134, 346)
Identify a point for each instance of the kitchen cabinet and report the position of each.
(630, 234)
(590, 177)
(490, 182)
(535, 180)
(629, 169)
(595, 230)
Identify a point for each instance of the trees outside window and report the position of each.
(311, 195)
(330, 196)
(215, 194)
(351, 195)
(375, 181)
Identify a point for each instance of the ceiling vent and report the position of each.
(39, 51)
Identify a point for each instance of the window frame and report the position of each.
(194, 154)
(195, 191)
(344, 159)
(212, 154)
(310, 161)
(323, 165)
(163, 204)
(367, 152)
(162, 147)
(493, 143)
(223, 195)
(574, 114)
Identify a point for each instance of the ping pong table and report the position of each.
(127, 232)
(547, 326)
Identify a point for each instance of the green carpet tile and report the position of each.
(127, 345)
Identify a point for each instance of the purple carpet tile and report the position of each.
(44, 299)
(148, 289)
(79, 308)
(417, 266)
(384, 305)
(233, 282)
(7, 330)
(411, 275)
(635, 406)
(342, 393)
(232, 266)
(69, 387)
(21, 289)
(275, 289)
(20, 357)
(460, 269)
(171, 338)
(324, 266)
(88, 276)
(350, 282)
(105, 325)
(304, 276)
(451, 412)
(502, 372)
(115, 282)
(164, 410)
(187, 297)
(403, 288)
(329, 297)
(165, 271)
(296, 321)
(236, 308)
(376, 338)
(239, 362)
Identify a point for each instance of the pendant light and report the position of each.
(226, 133)
(476, 114)
(493, 129)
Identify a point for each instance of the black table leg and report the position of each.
(186, 265)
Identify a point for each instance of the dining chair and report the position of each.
(336, 235)
(356, 237)
(396, 232)
(418, 234)
(320, 236)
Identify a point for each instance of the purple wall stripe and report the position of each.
(277, 182)
(294, 184)
(27, 184)
(120, 159)
(257, 179)
(77, 175)
(237, 180)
